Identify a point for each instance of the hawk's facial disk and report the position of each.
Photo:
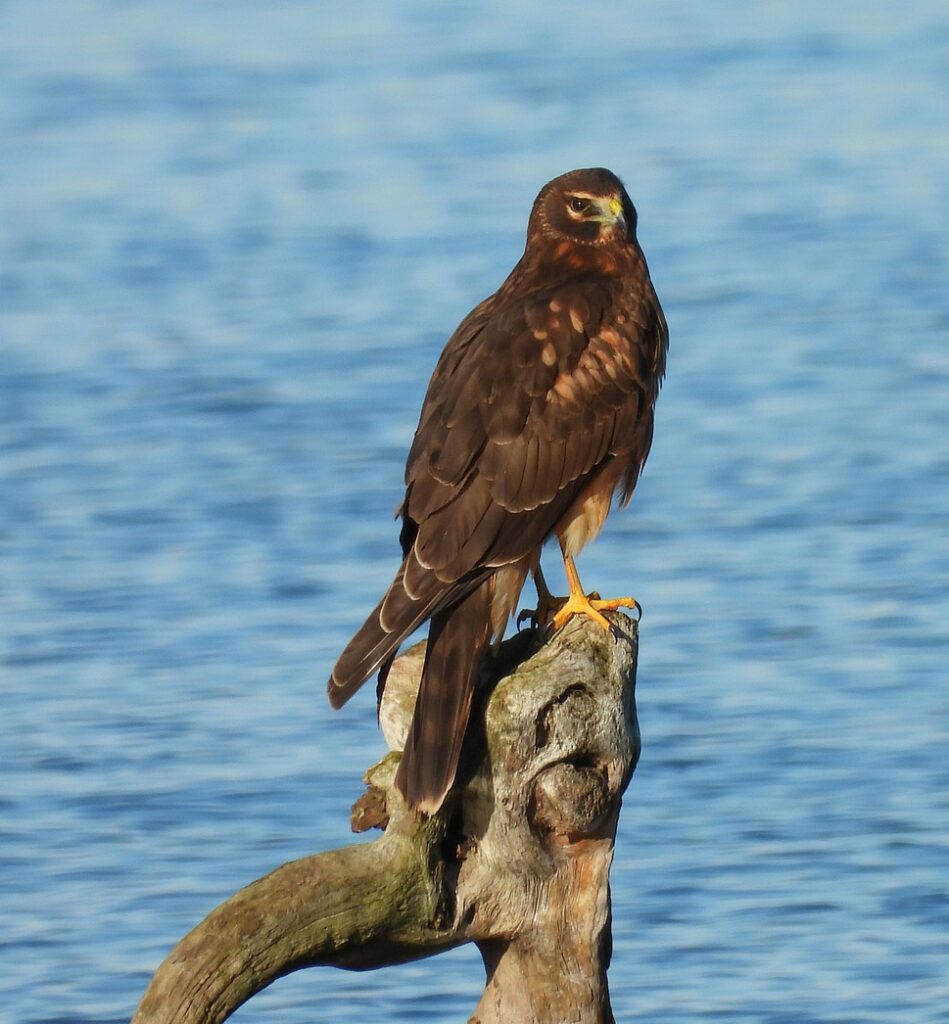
(589, 206)
(587, 216)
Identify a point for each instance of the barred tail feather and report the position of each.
(457, 638)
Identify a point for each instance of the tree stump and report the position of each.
(517, 860)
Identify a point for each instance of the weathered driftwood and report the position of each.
(517, 861)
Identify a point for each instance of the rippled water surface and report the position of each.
(233, 238)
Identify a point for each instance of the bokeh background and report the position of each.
(233, 239)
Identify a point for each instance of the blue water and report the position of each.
(233, 238)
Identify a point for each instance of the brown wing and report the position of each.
(530, 398)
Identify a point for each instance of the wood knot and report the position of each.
(570, 800)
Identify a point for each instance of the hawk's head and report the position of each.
(589, 206)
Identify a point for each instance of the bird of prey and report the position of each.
(539, 411)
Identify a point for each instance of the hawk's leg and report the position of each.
(578, 603)
(556, 611)
(547, 604)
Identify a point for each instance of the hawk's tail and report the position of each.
(456, 639)
(390, 622)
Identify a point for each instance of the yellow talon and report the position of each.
(547, 604)
(591, 607)
(578, 603)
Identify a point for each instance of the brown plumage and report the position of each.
(539, 409)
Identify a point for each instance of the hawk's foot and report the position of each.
(541, 616)
(592, 607)
(547, 604)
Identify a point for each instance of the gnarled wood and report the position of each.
(517, 860)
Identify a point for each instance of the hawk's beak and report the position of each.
(611, 212)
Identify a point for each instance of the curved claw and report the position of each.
(529, 615)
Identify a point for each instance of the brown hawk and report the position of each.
(540, 410)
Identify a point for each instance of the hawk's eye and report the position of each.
(578, 205)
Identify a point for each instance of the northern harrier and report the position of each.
(540, 410)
